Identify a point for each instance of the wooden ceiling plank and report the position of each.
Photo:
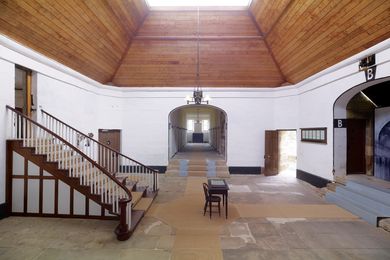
(31, 41)
(111, 47)
(111, 27)
(218, 23)
(125, 53)
(195, 38)
(352, 46)
(169, 23)
(83, 40)
(267, 12)
(128, 17)
(276, 64)
(141, 6)
(155, 56)
(297, 44)
(322, 46)
(62, 25)
(232, 61)
(323, 24)
(292, 23)
(346, 49)
(85, 20)
(309, 36)
(36, 32)
(280, 15)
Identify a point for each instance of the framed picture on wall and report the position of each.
(315, 135)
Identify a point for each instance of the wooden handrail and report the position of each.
(86, 157)
(96, 141)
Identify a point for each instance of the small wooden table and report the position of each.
(219, 186)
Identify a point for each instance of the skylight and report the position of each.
(200, 3)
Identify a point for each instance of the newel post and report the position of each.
(123, 230)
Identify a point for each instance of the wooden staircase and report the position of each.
(198, 167)
(125, 197)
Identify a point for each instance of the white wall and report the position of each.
(316, 99)
(7, 97)
(142, 113)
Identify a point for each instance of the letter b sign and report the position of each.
(370, 74)
(340, 123)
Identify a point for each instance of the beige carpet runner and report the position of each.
(198, 236)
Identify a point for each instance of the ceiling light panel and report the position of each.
(200, 3)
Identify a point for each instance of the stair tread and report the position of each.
(356, 204)
(371, 192)
(360, 195)
(368, 186)
(136, 197)
(369, 216)
(144, 204)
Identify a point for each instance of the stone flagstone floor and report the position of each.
(269, 233)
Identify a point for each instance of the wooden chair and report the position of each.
(209, 199)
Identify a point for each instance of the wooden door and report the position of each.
(271, 153)
(112, 139)
(356, 146)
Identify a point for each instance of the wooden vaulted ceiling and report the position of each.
(89, 36)
(231, 51)
(306, 37)
(123, 43)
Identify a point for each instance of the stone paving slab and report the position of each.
(175, 228)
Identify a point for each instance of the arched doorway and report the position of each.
(356, 134)
(197, 124)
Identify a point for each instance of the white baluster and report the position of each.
(106, 189)
(24, 132)
(109, 191)
(94, 181)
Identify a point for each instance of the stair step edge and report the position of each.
(364, 200)
(362, 213)
(355, 204)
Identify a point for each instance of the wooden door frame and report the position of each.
(28, 94)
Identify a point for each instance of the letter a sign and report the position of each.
(368, 65)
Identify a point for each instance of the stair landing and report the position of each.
(364, 196)
(198, 160)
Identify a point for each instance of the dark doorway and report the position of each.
(271, 153)
(23, 93)
(356, 146)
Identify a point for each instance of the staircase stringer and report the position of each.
(52, 167)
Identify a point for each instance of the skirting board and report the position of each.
(3, 211)
(314, 180)
(244, 170)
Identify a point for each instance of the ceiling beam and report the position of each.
(130, 41)
(277, 20)
(268, 47)
(195, 38)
